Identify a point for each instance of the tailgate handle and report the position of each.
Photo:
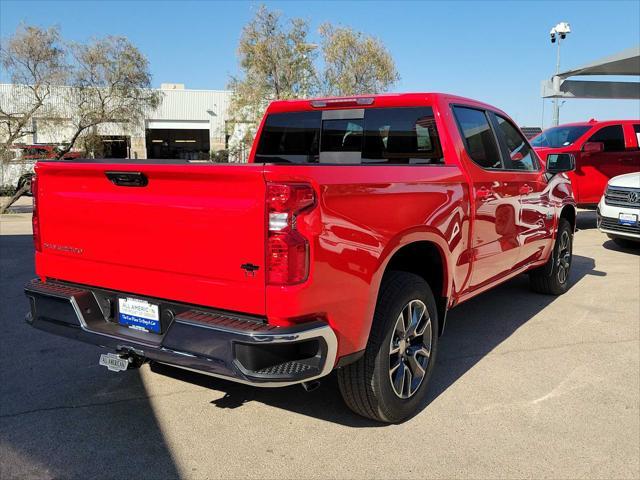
(128, 179)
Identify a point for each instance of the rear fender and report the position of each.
(417, 234)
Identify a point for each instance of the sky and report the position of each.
(497, 52)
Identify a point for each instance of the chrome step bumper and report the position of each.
(230, 346)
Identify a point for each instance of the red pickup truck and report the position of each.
(357, 224)
(602, 150)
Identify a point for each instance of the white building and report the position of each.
(188, 124)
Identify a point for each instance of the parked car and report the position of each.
(602, 151)
(38, 152)
(619, 210)
(45, 152)
(357, 224)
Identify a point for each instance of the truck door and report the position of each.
(535, 212)
(596, 168)
(494, 199)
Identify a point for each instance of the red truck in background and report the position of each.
(602, 150)
(357, 224)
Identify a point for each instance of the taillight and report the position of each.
(287, 248)
(35, 220)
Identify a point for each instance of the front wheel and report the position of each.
(389, 382)
(553, 277)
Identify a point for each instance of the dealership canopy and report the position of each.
(625, 63)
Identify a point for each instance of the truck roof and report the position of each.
(594, 122)
(376, 100)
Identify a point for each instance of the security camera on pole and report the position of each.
(558, 33)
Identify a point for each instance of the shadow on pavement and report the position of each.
(94, 417)
(473, 330)
(586, 220)
(630, 247)
(61, 415)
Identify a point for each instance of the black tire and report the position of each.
(366, 385)
(624, 243)
(553, 277)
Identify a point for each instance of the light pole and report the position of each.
(558, 33)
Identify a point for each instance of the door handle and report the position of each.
(128, 179)
(525, 189)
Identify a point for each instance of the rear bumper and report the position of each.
(230, 346)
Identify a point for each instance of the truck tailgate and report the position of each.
(183, 237)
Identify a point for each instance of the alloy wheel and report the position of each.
(410, 349)
(564, 257)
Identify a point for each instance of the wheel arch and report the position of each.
(569, 213)
(426, 259)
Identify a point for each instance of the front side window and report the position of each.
(558, 137)
(636, 130)
(521, 155)
(478, 136)
(612, 137)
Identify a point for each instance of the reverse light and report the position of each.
(287, 249)
(35, 218)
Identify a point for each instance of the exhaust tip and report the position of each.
(310, 386)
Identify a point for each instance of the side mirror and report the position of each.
(593, 147)
(560, 162)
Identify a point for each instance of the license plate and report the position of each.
(113, 362)
(139, 314)
(628, 219)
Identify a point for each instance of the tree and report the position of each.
(110, 83)
(35, 61)
(76, 86)
(354, 63)
(276, 62)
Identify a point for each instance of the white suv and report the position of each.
(619, 209)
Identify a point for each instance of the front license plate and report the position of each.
(113, 362)
(628, 219)
(139, 315)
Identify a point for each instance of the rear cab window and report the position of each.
(374, 136)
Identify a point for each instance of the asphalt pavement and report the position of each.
(526, 386)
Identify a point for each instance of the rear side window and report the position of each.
(612, 137)
(521, 156)
(478, 136)
(391, 136)
(636, 129)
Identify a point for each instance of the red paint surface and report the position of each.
(185, 235)
(593, 170)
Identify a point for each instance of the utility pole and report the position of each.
(558, 33)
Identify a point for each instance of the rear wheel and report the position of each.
(553, 278)
(389, 382)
